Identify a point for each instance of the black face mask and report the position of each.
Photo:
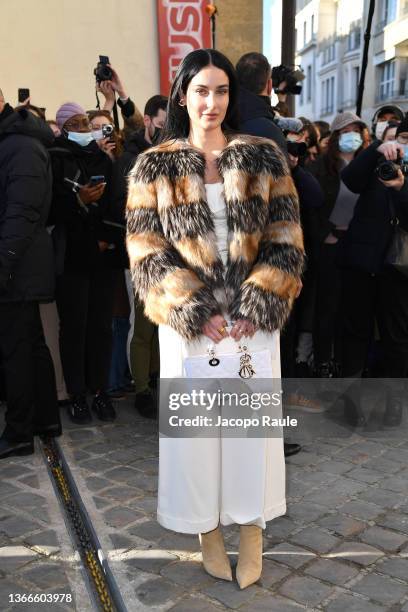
(156, 135)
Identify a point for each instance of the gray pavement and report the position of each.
(343, 544)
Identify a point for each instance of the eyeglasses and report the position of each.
(78, 125)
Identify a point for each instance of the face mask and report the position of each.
(379, 129)
(81, 138)
(350, 142)
(97, 134)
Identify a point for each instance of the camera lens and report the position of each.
(387, 171)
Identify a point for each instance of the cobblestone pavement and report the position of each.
(36, 556)
(343, 544)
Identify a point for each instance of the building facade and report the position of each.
(330, 38)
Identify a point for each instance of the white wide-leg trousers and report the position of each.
(206, 481)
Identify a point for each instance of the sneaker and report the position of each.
(78, 410)
(146, 404)
(301, 402)
(103, 407)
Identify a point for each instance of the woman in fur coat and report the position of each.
(214, 237)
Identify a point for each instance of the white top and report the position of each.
(215, 199)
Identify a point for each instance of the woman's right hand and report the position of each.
(215, 328)
(89, 193)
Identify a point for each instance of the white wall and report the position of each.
(52, 46)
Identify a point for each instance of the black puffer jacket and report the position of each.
(365, 244)
(79, 228)
(256, 118)
(26, 256)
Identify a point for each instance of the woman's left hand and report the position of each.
(242, 327)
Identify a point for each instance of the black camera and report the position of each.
(107, 130)
(297, 149)
(102, 71)
(291, 76)
(387, 170)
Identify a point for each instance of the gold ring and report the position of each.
(221, 330)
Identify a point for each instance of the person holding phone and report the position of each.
(86, 276)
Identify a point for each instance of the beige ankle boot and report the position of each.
(249, 567)
(215, 559)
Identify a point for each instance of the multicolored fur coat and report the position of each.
(176, 269)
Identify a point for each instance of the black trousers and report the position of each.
(366, 298)
(327, 321)
(29, 372)
(85, 306)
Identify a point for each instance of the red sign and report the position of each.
(183, 27)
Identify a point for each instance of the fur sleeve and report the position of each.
(266, 296)
(171, 292)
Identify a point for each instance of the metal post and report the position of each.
(288, 42)
(364, 62)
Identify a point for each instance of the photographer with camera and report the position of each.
(285, 81)
(108, 83)
(375, 288)
(84, 250)
(382, 117)
(106, 136)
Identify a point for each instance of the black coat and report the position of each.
(133, 146)
(330, 185)
(368, 237)
(26, 256)
(79, 228)
(256, 118)
(311, 201)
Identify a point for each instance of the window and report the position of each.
(387, 80)
(309, 83)
(331, 96)
(313, 27)
(329, 54)
(327, 105)
(304, 33)
(389, 10)
(356, 80)
(354, 39)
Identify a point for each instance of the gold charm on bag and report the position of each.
(245, 366)
(213, 361)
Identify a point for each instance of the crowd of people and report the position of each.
(72, 332)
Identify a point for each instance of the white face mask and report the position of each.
(81, 138)
(97, 134)
(379, 129)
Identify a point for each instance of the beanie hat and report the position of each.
(66, 111)
(342, 120)
(403, 126)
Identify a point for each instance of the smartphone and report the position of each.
(96, 180)
(23, 94)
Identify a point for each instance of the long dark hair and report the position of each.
(178, 122)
